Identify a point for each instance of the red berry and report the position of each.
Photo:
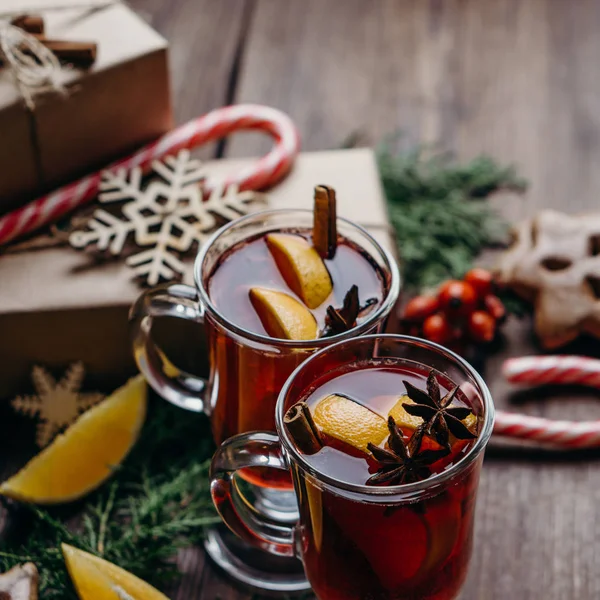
(421, 307)
(495, 307)
(482, 326)
(437, 329)
(481, 280)
(457, 297)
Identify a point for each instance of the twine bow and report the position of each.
(34, 67)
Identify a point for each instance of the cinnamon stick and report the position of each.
(29, 23)
(325, 222)
(80, 54)
(302, 428)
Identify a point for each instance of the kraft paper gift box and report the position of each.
(57, 308)
(119, 103)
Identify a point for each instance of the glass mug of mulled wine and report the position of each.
(268, 300)
(384, 436)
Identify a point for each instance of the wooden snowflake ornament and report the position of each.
(169, 217)
(56, 405)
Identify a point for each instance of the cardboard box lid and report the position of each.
(120, 34)
(64, 278)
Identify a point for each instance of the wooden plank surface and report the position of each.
(518, 80)
(204, 41)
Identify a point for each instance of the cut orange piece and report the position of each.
(443, 518)
(409, 422)
(301, 267)
(314, 496)
(282, 315)
(97, 579)
(471, 422)
(84, 456)
(344, 419)
(394, 542)
(405, 421)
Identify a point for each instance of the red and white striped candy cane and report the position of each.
(537, 370)
(212, 126)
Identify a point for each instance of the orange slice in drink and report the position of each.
(394, 540)
(443, 518)
(282, 315)
(344, 419)
(470, 422)
(301, 267)
(405, 421)
(314, 496)
(397, 547)
(409, 423)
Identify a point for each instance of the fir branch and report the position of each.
(438, 212)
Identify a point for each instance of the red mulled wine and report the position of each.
(276, 285)
(371, 433)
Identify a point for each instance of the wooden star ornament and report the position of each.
(55, 404)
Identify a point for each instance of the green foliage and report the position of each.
(157, 502)
(439, 214)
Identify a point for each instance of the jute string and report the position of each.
(34, 68)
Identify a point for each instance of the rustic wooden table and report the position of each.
(517, 80)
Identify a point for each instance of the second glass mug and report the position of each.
(361, 542)
(247, 370)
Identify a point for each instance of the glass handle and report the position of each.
(254, 449)
(170, 300)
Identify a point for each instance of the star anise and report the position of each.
(339, 320)
(440, 419)
(403, 462)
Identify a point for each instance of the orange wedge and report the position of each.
(443, 518)
(282, 315)
(84, 456)
(376, 536)
(471, 422)
(97, 579)
(344, 419)
(314, 496)
(301, 267)
(410, 422)
(402, 418)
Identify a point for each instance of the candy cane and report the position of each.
(214, 125)
(538, 370)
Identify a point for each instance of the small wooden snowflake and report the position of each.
(56, 405)
(166, 219)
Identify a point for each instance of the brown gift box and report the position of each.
(119, 103)
(55, 308)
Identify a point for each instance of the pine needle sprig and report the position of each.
(437, 210)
